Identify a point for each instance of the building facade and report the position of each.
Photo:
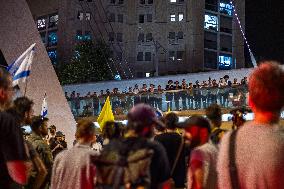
(147, 37)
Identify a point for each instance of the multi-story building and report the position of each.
(147, 37)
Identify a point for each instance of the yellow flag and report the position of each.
(106, 114)
(169, 109)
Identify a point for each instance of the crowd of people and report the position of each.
(150, 151)
(184, 96)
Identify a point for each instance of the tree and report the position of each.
(88, 64)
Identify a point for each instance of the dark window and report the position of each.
(120, 18)
(52, 38)
(181, 1)
(142, 2)
(172, 55)
(112, 17)
(119, 56)
(226, 24)
(172, 35)
(149, 37)
(210, 40)
(150, 1)
(226, 43)
(141, 18)
(112, 1)
(119, 37)
(140, 56)
(120, 1)
(149, 17)
(211, 5)
(179, 55)
(42, 36)
(88, 35)
(89, 0)
(180, 35)
(141, 37)
(111, 36)
(210, 59)
(79, 35)
(53, 21)
(148, 56)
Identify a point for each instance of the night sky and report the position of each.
(265, 29)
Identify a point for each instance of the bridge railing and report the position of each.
(175, 100)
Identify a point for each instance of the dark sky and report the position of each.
(265, 28)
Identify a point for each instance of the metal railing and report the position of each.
(175, 100)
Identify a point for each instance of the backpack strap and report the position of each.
(178, 155)
(232, 161)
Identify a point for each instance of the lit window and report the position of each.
(52, 55)
(226, 8)
(225, 62)
(173, 1)
(140, 56)
(52, 38)
(180, 17)
(173, 17)
(179, 55)
(211, 22)
(88, 16)
(147, 74)
(172, 55)
(53, 20)
(148, 56)
(80, 15)
(141, 37)
(41, 23)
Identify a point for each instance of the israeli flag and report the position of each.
(44, 107)
(20, 69)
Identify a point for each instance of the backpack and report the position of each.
(122, 167)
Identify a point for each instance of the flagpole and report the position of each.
(26, 86)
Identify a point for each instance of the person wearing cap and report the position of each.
(73, 168)
(177, 95)
(39, 132)
(58, 144)
(201, 172)
(172, 141)
(140, 128)
(255, 151)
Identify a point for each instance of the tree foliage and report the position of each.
(88, 64)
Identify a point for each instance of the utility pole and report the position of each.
(156, 55)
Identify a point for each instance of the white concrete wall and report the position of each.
(123, 85)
